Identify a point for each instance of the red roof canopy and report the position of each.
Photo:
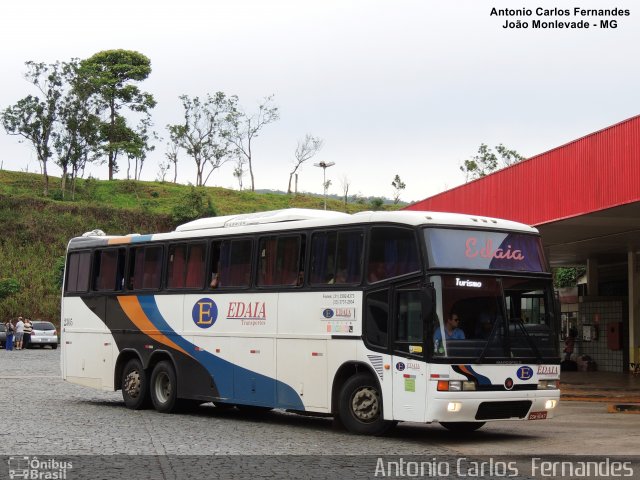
(596, 172)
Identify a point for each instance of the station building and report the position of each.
(584, 198)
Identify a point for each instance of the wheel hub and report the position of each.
(132, 384)
(163, 387)
(365, 404)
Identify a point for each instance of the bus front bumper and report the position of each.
(476, 407)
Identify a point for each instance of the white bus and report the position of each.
(319, 312)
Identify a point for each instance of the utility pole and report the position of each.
(324, 166)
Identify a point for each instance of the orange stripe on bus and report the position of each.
(119, 240)
(132, 308)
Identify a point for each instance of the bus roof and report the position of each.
(296, 218)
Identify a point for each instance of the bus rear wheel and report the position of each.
(360, 406)
(462, 427)
(163, 387)
(135, 389)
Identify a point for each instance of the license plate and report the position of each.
(537, 415)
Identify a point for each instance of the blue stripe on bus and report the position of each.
(140, 238)
(482, 380)
(234, 383)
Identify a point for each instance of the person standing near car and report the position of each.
(19, 333)
(9, 328)
(28, 328)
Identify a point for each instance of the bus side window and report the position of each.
(336, 258)
(215, 281)
(109, 269)
(78, 272)
(392, 252)
(176, 267)
(145, 268)
(377, 319)
(279, 260)
(235, 263)
(194, 277)
(409, 320)
(323, 253)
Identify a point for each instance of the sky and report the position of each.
(393, 87)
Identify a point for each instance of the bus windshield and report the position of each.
(494, 319)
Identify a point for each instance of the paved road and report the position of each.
(70, 420)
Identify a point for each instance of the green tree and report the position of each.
(139, 146)
(246, 127)
(110, 76)
(77, 133)
(376, 203)
(194, 204)
(8, 286)
(34, 117)
(305, 150)
(204, 135)
(567, 276)
(398, 185)
(486, 161)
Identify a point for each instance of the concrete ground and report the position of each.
(609, 387)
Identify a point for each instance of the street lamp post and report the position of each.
(324, 166)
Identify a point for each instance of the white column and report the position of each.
(634, 307)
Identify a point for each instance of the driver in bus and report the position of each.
(452, 329)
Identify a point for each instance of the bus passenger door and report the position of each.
(409, 368)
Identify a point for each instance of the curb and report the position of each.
(622, 398)
(624, 408)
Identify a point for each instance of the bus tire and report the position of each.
(462, 427)
(164, 388)
(135, 388)
(360, 406)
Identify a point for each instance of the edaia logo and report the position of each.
(204, 313)
(525, 373)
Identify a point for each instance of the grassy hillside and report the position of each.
(35, 230)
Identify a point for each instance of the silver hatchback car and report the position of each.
(44, 333)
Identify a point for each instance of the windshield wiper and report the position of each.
(532, 344)
(490, 338)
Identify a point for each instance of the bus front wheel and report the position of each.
(135, 391)
(360, 406)
(462, 427)
(163, 387)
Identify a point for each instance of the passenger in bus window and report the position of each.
(452, 329)
(376, 272)
(341, 276)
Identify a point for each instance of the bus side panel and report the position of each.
(224, 349)
(339, 352)
(232, 337)
(254, 379)
(377, 362)
(302, 364)
(87, 344)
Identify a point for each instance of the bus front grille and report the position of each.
(503, 410)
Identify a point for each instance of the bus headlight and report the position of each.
(454, 407)
(455, 385)
(548, 384)
(550, 404)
